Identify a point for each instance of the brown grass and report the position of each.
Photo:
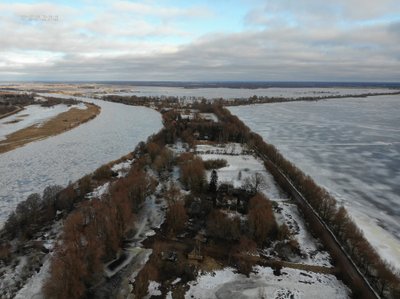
(6, 113)
(311, 268)
(208, 264)
(63, 122)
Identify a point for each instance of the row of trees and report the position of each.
(32, 214)
(93, 234)
(380, 274)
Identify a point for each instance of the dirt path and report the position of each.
(63, 122)
(18, 109)
(311, 268)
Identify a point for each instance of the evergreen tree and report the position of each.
(212, 187)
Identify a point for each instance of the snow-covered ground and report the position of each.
(153, 289)
(33, 288)
(31, 115)
(122, 168)
(28, 277)
(72, 154)
(293, 284)
(239, 159)
(311, 251)
(99, 191)
(151, 216)
(349, 146)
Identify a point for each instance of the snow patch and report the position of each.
(292, 283)
(99, 191)
(153, 289)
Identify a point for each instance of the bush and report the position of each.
(176, 217)
(5, 252)
(103, 172)
(221, 226)
(261, 219)
(215, 164)
(66, 199)
(193, 175)
(284, 232)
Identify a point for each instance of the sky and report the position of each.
(183, 40)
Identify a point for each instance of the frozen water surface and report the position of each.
(30, 115)
(70, 155)
(351, 147)
(229, 93)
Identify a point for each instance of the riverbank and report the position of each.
(63, 122)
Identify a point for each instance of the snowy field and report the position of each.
(72, 154)
(292, 284)
(31, 115)
(349, 146)
(239, 160)
(229, 93)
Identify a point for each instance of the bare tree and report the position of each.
(255, 183)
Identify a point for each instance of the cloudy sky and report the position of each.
(276, 40)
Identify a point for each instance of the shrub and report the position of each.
(261, 219)
(215, 164)
(221, 226)
(66, 199)
(193, 175)
(5, 252)
(103, 172)
(176, 217)
(244, 255)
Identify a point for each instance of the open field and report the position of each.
(61, 123)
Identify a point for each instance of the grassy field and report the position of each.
(63, 122)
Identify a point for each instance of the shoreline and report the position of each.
(61, 123)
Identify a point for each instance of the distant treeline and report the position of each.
(174, 101)
(253, 84)
(24, 99)
(267, 100)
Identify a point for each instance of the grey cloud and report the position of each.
(246, 56)
(318, 48)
